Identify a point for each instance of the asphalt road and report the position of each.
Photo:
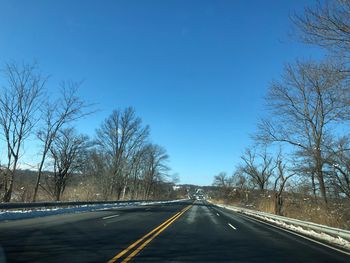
(176, 232)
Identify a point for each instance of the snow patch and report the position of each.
(39, 212)
(336, 240)
(311, 233)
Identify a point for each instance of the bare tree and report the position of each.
(222, 180)
(98, 167)
(156, 167)
(137, 170)
(69, 107)
(339, 166)
(68, 153)
(240, 181)
(326, 25)
(258, 166)
(304, 105)
(225, 183)
(283, 174)
(121, 136)
(19, 102)
(1, 177)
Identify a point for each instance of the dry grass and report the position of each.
(335, 214)
(266, 205)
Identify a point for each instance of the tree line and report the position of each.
(305, 134)
(120, 159)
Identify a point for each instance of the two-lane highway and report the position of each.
(175, 232)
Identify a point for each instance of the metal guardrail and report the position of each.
(23, 205)
(332, 231)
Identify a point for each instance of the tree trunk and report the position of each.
(323, 189)
(278, 204)
(8, 192)
(313, 184)
(58, 196)
(261, 187)
(320, 177)
(123, 193)
(119, 192)
(38, 178)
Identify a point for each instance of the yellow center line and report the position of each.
(139, 240)
(143, 245)
(122, 253)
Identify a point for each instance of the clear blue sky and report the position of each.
(195, 71)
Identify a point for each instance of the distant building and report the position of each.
(176, 187)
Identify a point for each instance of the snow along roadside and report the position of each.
(39, 212)
(337, 241)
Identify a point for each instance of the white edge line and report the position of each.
(107, 217)
(294, 233)
(232, 226)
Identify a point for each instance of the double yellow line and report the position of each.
(146, 239)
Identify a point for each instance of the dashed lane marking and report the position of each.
(232, 226)
(108, 217)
